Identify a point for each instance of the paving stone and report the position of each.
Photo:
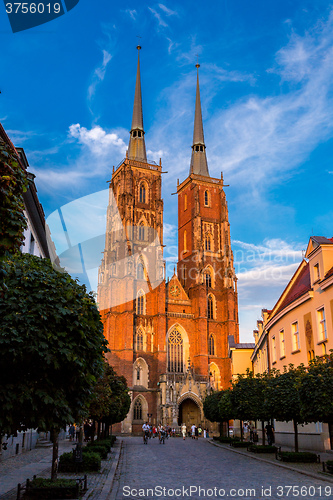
(144, 470)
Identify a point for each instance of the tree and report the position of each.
(110, 402)
(316, 391)
(283, 397)
(248, 398)
(13, 183)
(226, 410)
(211, 407)
(51, 348)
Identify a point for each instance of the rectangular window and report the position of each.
(316, 275)
(322, 324)
(273, 350)
(282, 344)
(295, 336)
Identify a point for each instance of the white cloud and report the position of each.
(159, 18)
(132, 13)
(99, 74)
(97, 140)
(168, 12)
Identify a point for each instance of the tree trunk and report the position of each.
(99, 429)
(54, 468)
(263, 432)
(296, 435)
(228, 430)
(241, 429)
(93, 428)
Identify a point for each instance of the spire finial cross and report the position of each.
(139, 38)
(197, 65)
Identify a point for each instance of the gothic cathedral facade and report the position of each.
(169, 338)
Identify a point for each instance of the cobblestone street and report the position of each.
(179, 464)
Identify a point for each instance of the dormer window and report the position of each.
(139, 133)
(134, 133)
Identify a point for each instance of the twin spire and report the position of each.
(137, 147)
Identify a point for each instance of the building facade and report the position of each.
(169, 338)
(299, 328)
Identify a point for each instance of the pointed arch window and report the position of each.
(142, 193)
(141, 231)
(208, 242)
(138, 372)
(175, 352)
(140, 271)
(185, 201)
(211, 346)
(206, 198)
(139, 341)
(137, 410)
(140, 303)
(210, 307)
(208, 279)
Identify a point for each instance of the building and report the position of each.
(168, 338)
(299, 328)
(240, 356)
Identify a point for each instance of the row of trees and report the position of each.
(298, 394)
(52, 348)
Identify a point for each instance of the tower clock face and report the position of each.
(175, 291)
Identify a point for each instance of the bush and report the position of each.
(101, 450)
(91, 462)
(105, 443)
(47, 489)
(225, 439)
(292, 456)
(239, 444)
(262, 449)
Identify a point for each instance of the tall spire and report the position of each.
(198, 159)
(137, 147)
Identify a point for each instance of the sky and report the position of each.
(266, 82)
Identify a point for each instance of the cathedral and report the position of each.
(168, 337)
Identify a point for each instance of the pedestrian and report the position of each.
(270, 434)
(184, 430)
(196, 432)
(77, 432)
(199, 431)
(205, 433)
(193, 431)
(71, 432)
(245, 430)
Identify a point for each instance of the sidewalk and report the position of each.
(312, 470)
(37, 462)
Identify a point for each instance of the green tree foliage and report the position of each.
(51, 347)
(316, 391)
(13, 183)
(111, 401)
(211, 406)
(283, 397)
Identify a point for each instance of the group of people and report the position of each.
(195, 432)
(150, 431)
(250, 431)
(74, 431)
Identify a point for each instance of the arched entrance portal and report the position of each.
(189, 413)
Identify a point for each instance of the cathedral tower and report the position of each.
(205, 260)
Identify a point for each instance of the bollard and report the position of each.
(18, 496)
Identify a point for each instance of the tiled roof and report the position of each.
(300, 287)
(321, 240)
(246, 345)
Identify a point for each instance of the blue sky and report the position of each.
(267, 101)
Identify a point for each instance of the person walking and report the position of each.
(193, 431)
(184, 430)
(270, 434)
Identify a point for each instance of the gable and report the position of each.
(176, 291)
